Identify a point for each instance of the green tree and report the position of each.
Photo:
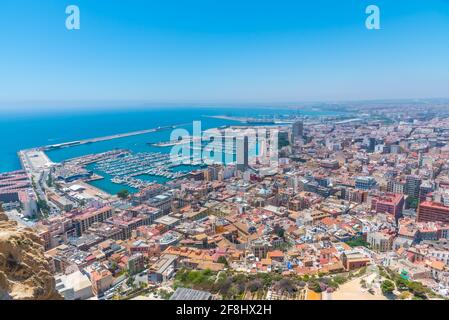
(124, 194)
(43, 206)
(130, 282)
(387, 287)
(223, 260)
(314, 285)
(401, 284)
(254, 286)
(113, 265)
(50, 181)
(417, 289)
(363, 283)
(164, 294)
(339, 280)
(233, 292)
(279, 231)
(358, 242)
(411, 202)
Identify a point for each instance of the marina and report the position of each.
(140, 170)
(93, 158)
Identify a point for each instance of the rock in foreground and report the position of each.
(24, 271)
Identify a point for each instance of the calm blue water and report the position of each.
(21, 131)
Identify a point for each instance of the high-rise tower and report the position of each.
(297, 131)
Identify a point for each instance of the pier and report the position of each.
(185, 140)
(106, 138)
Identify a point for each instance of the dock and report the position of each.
(172, 143)
(106, 138)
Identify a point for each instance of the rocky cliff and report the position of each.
(24, 271)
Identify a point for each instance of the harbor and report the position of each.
(133, 163)
(141, 169)
(116, 169)
(125, 166)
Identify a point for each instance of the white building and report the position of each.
(75, 286)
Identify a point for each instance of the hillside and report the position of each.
(24, 272)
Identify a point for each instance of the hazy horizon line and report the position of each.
(102, 104)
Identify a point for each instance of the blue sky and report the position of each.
(233, 51)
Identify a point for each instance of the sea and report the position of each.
(20, 130)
